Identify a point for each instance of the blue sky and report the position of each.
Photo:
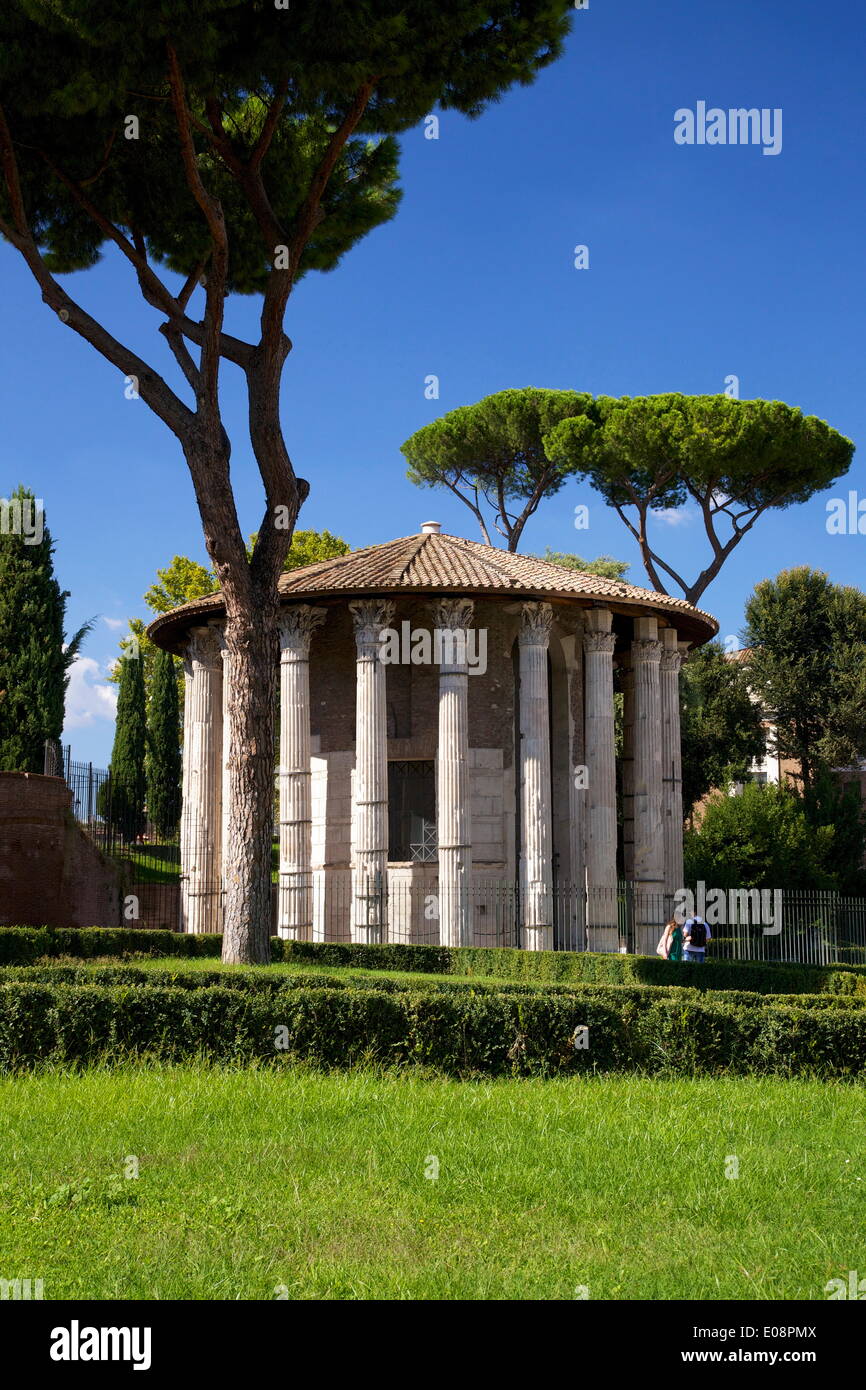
(704, 262)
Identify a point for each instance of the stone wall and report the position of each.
(51, 874)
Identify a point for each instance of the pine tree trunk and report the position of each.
(251, 638)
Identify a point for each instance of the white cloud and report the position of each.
(115, 623)
(675, 516)
(87, 697)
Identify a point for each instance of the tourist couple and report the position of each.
(684, 941)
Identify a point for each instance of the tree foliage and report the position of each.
(760, 838)
(721, 728)
(309, 547)
(163, 747)
(829, 802)
(34, 657)
(237, 145)
(492, 454)
(182, 581)
(733, 460)
(604, 565)
(808, 667)
(127, 767)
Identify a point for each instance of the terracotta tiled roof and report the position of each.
(438, 563)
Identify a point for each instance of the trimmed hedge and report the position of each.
(21, 944)
(459, 1032)
(255, 980)
(18, 945)
(596, 968)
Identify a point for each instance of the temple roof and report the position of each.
(440, 564)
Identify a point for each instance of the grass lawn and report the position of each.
(254, 1180)
(161, 863)
(154, 863)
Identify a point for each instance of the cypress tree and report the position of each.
(34, 666)
(128, 753)
(163, 747)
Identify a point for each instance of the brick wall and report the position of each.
(50, 872)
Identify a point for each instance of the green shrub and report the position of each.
(597, 968)
(254, 980)
(19, 945)
(458, 1031)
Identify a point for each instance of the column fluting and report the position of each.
(648, 834)
(536, 835)
(370, 786)
(672, 767)
(201, 815)
(453, 812)
(295, 899)
(601, 836)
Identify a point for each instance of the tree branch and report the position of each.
(153, 389)
(207, 392)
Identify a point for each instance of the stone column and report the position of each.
(627, 774)
(648, 836)
(295, 901)
(572, 644)
(601, 882)
(225, 789)
(201, 817)
(536, 835)
(672, 766)
(453, 814)
(370, 786)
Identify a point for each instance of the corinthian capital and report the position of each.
(296, 627)
(672, 660)
(453, 613)
(645, 649)
(370, 616)
(599, 642)
(204, 647)
(536, 620)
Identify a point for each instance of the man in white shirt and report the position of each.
(696, 934)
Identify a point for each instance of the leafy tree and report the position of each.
(163, 748)
(734, 459)
(127, 767)
(34, 659)
(808, 667)
(309, 547)
(182, 581)
(605, 565)
(831, 803)
(722, 732)
(758, 839)
(238, 146)
(492, 453)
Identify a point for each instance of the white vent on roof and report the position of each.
(431, 528)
